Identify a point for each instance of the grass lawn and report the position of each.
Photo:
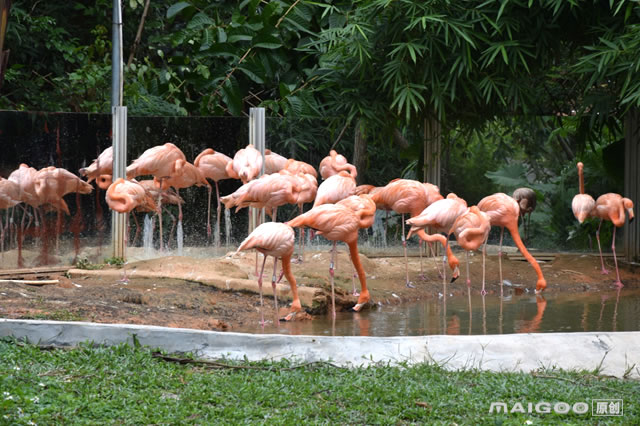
(135, 385)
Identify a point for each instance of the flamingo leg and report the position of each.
(160, 213)
(209, 190)
(406, 259)
(331, 272)
(500, 255)
(484, 251)
(137, 234)
(260, 289)
(605, 271)
(296, 306)
(618, 283)
(468, 276)
(364, 297)
(422, 276)
(432, 253)
(217, 236)
(353, 280)
(273, 286)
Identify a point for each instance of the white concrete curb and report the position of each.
(616, 353)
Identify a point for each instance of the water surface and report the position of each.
(475, 314)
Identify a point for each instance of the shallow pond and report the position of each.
(475, 314)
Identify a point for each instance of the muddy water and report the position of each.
(475, 314)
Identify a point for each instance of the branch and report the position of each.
(139, 33)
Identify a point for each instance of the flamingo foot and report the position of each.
(423, 277)
(358, 307)
(604, 271)
(355, 293)
(289, 317)
(124, 280)
(409, 285)
(618, 284)
(483, 292)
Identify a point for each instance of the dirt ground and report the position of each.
(194, 302)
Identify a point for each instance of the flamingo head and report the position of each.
(456, 273)
(541, 285)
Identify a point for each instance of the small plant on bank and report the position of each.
(84, 263)
(114, 261)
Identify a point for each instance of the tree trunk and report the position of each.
(632, 182)
(432, 150)
(360, 151)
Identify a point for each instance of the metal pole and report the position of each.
(257, 139)
(119, 130)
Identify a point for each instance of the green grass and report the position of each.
(133, 385)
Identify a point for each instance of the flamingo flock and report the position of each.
(340, 208)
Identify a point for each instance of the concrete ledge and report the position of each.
(615, 352)
(308, 295)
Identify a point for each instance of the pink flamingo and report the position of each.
(472, 230)
(335, 163)
(103, 165)
(440, 216)
(213, 165)
(161, 162)
(295, 166)
(246, 164)
(504, 211)
(338, 223)
(583, 205)
(273, 162)
(363, 205)
(612, 207)
(9, 197)
(307, 190)
(407, 196)
(335, 188)
(277, 240)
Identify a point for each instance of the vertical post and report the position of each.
(632, 183)
(118, 220)
(119, 129)
(258, 140)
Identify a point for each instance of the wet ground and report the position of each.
(187, 302)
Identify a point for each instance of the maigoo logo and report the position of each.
(541, 407)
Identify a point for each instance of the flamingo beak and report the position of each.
(630, 211)
(456, 274)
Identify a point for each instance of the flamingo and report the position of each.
(335, 163)
(246, 164)
(440, 216)
(527, 199)
(24, 177)
(335, 188)
(472, 230)
(213, 165)
(156, 193)
(101, 166)
(161, 162)
(338, 223)
(277, 240)
(504, 212)
(612, 207)
(269, 191)
(406, 196)
(273, 162)
(307, 190)
(52, 183)
(9, 197)
(583, 205)
(295, 166)
(125, 195)
(364, 205)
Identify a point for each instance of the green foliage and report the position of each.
(114, 261)
(125, 384)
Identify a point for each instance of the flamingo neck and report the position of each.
(581, 178)
(513, 230)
